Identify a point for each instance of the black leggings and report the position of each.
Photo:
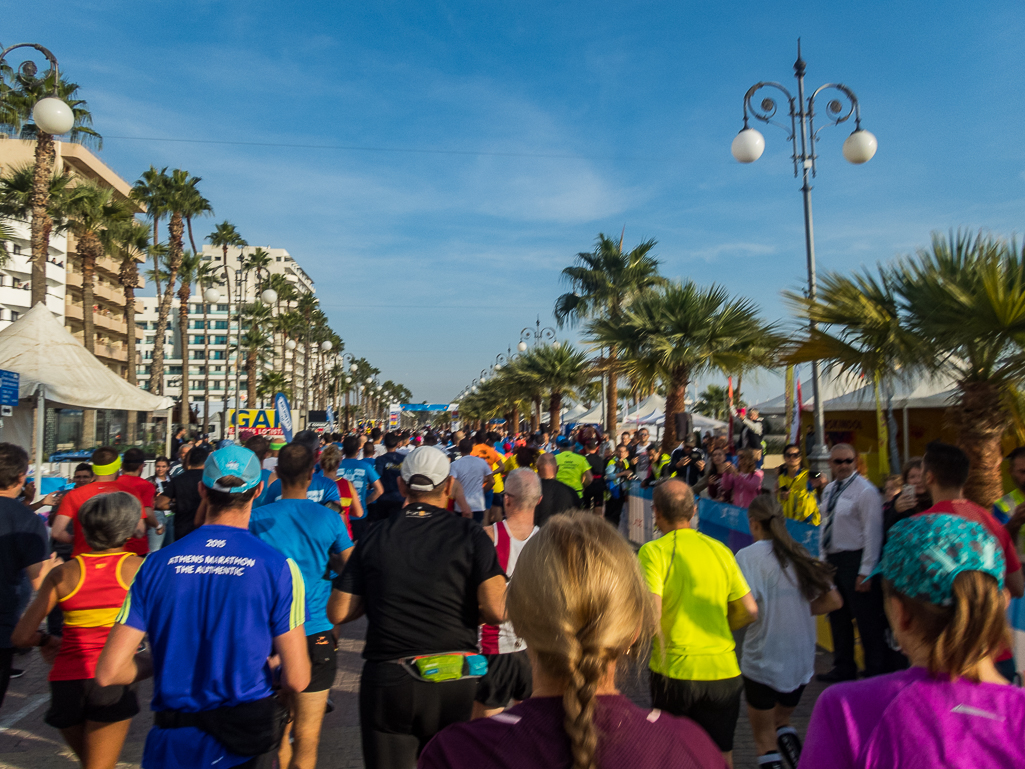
(398, 714)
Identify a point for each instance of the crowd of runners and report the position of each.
(501, 598)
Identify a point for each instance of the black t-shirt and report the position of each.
(594, 459)
(556, 497)
(389, 467)
(183, 491)
(418, 572)
(22, 543)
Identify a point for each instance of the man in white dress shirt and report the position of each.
(850, 538)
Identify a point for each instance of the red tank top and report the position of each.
(89, 613)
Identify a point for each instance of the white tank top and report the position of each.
(500, 639)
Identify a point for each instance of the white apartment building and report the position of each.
(211, 334)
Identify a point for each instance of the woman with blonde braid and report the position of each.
(790, 587)
(579, 602)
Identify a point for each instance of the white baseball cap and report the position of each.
(424, 468)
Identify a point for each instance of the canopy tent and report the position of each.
(55, 369)
(700, 422)
(938, 392)
(653, 405)
(571, 414)
(595, 416)
(834, 384)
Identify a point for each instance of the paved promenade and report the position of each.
(28, 743)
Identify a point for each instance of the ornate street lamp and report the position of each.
(858, 148)
(538, 334)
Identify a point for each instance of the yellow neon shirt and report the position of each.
(696, 576)
(571, 470)
(495, 461)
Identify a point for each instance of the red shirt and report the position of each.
(75, 498)
(146, 492)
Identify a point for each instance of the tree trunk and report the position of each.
(87, 254)
(251, 378)
(129, 275)
(514, 419)
(346, 409)
(554, 412)
(41, 222)
(306, 375)
(156, 257)
(535, 423)
(206, 364)
(613, 397)
(980, 419)
(676, 392)
(183, 332)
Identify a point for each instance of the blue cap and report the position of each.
(235, 461)
(925, 553)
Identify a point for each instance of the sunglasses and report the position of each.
(792, 454)
(842, 461)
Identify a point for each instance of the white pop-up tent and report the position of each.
(55, 369)
(652, 405)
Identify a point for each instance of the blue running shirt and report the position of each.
(211, 603)
(322, 490)
(360, 474)
(307, 533)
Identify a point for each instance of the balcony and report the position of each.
(112, 352)
(110, 323)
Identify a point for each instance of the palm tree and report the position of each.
(179, 195)
(604, 282)
(187, 274)
(307, 306)
(271, 383)
(194, 205)
(91, 211)
(129, 238)
(18, 102)
(150, 190)
(681, 331)
(857, 327)
(964, 301)
(713, 402)
(286, 295)
(557, 370)
(207, 276)
(253, 344)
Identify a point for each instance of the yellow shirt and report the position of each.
(495, 461)
(696, 576)
(571, 470)
(800, 503)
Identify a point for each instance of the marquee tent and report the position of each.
(55, 369)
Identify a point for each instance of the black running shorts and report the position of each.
(72, 703)
(323, 661)
(764, 697)
(508, 678)
(714, 705)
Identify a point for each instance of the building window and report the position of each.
(277, 259)
(174, 370)
(220, 324)
(196, 309)
(199, 340)
(222, 308)
(147, 355)
(15, 315)
(217, 355)
(150, 339)
(15, 248)
(219, 340)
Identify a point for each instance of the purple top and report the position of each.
(909, 719)
(531, 734)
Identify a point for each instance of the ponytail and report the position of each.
(813, 576)
(585, 671)
(962, 635)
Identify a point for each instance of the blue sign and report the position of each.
(9, 381)
(284, 415)
(330, 415)
(428, 407)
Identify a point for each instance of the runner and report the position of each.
(791, 588)
(556, 496)
(363, 476)
(417, 603)
(106, 464)
(496, 462)
(577, 623)
(322, 490)
(214, 604)
(1010, 508)
(594, 492)
(182, 497)
(348, 496)
(315, 538)
(701, 597)
(389, 468)
(132, 463)
(475, 476)
(943, 577)
(24, 551)
(574, 470)
(90, 590)
(618, 475)
(260, 446)
(508, 678)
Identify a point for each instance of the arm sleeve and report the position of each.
(351, 579)
(372, 478)
(738, 585)
(330, 492)
(135, 610)
(485, 559)
(870, 508)
(67, 507)
(727, 481)
(826, 745)
(652, 568)
(342, 541)
(289, 610)
(147, 495)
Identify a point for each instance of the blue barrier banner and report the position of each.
(728, 524)
(284, 415)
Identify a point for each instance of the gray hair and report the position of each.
(108, 520)
(548, 460)
(525, 487)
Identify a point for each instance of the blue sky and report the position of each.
(499, 138)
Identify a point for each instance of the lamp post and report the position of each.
(538, 334)
(348, 357)
(858, 148)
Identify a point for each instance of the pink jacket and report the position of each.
(745, 487)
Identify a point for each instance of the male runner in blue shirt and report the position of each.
(214, 604)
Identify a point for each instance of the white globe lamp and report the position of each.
(53, 116)
(212, 295)
(859, 147)
(353, 368)
(269, 296)
(748, 145)
(348, 380)
(522, 347)
(326, 345)
(290, 344)
(556, 344)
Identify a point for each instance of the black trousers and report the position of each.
(864, 608)
(399, 714)
(6, 658)
(614, 510)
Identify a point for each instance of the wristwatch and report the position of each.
(44, 638)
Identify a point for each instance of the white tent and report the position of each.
(833, 386)
(54, 368)
(570, 415)
(936, 393)
(653, 405)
